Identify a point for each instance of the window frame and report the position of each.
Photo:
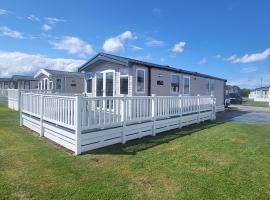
(173, 92)
(186, 77)
(126, 76)
(57, 85)
(140, 69)
(90, 78)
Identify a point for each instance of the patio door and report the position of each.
(105, 84)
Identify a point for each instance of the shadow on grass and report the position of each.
(134, 146)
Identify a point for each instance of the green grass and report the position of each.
(210, 161)
(250, 102)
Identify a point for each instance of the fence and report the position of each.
(85, 123)
(3, 95)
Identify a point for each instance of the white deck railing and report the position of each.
(67, 119)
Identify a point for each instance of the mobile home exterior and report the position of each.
(23, 82)
(260, 94)
(54, 81)
(5, 83)
(110, 75)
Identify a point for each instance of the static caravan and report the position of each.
(260, 94)
(5, 83)
(54, 81)
(23, 82)
(111, 75)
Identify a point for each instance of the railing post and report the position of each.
(269, 95)
(199, 108)
(154, 113)
(180, 112)
(78, 145)
(21, 103)
(124, 118)
(18, 99)
(213, 100)
(41, 115)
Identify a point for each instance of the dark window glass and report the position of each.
(89, 86)
(124, 85)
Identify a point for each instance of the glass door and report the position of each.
(105, 86)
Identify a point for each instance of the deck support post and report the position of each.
(124, 118)
(180, 113)
(154, 113)
(199, 108)
(41, 115)
(78, 130)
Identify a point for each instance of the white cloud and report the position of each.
(21, 63)
(137, 48)
(5, 31)
(46, 27)
(178, 47)
(73, 45)
(203, 61)
(114, 44)
(154, 43)
(248, 58)
(33, 18)
(249, 69)
(3, 12)
(231, 58)
(53, 20)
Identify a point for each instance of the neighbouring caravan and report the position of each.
(54, 81)
(23, 82)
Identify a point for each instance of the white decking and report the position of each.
(85, 123)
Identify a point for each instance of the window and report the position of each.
(89, 85)
(175, 83)
(186, 85)
(160, 82)
(124, 81)
(212, 85)
(140, 80)
(208, 83)
(58, 84)
(50, 85)
(73, 83)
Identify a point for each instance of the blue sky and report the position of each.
(228, 39)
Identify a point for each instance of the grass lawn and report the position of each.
(210, 161)
(250, 102)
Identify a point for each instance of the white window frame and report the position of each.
(172, 92)
(104, 81)
(126, 75)
(188, 77)
(140, 92)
